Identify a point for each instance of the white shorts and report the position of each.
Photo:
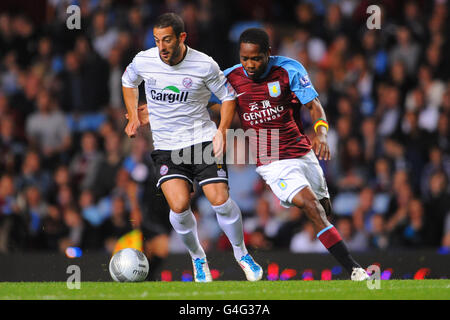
(287, 177)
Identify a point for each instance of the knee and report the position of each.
(180, 207)
(219, 200)
(311, 206)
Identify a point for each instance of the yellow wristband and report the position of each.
(320, 122)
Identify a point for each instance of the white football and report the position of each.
(128, 265)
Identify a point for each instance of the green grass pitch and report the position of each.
(229, 290)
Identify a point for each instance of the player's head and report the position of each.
(169, 37)
(254, 51)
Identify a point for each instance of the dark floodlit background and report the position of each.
(67, 169)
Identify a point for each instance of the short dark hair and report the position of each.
(170, 20)
(256, 36)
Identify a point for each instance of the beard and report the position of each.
(175, 53)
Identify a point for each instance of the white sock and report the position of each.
(230, 220)
(185, 225)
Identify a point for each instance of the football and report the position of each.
(128, 265)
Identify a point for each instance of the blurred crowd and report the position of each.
(69, 176)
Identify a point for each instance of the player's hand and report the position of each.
(132, 127)
(142, 115)
(219, 143)
(320, 147)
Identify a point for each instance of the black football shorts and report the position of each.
(193, 163)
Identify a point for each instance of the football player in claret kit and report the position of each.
(270, 91)
(178, 84)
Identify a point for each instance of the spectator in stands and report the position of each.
(135, 25)
(33, 174)
(306, 241)
(103, 36)
(61, 177)
(264, 223)
(333, 24)
(371, 143)
(406, 49)
(378, 238)
(47, 130)
(355, 239)
(382, 176)
(89, 208)
(441, 137)
(34, 209)
(413, 20)
(85, 164)
(400, 78)
(363, 213)
(78, 232)
(109, 166)
(25, 39)
(437, 162)
(116, 225)
(11, 234)
(436, 205)
(53, 229)
(410, 231)
(395, 153)
(374, 52)
(433, 87)
(401, 197)
(6, 33)
(71, 95)
(65, 198)
(44, 58)
(288, 228)
(388, 111)
(12, 148)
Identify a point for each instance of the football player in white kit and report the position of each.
(178, 84)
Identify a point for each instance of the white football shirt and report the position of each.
(177, 96)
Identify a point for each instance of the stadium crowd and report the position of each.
(69, 176)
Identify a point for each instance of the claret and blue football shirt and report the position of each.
(271, 105)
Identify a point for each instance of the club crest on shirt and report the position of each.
(163, 170)
(274, 89)
(221, 173)
(282, 184)
(187, 82)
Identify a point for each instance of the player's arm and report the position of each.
(142, 114)
(304, 90)
(131, 97)
(218, 84)
(226, 117)
(130, 87)
(319, 120)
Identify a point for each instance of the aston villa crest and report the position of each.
(274, 89)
